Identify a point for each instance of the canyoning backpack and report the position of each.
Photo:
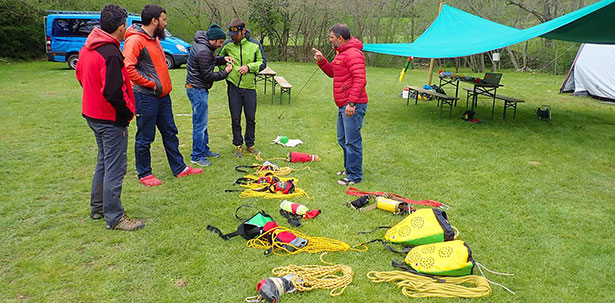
(423, 226)
(249, 229)
(451, 258)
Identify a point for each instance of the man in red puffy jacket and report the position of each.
(108, 106)
(348, 72)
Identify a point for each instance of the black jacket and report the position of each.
(201, 63)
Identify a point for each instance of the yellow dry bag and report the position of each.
(424, 226)
(451, 258)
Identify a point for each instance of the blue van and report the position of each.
(66, 32)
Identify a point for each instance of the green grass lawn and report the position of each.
(530, 197)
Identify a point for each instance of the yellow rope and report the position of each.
(253, 184)
(315, 244)
(249, 193)
(418, 286)
(310, 277)
(281, 171)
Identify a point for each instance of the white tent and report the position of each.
(592, 72)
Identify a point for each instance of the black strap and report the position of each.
(249, 206)
(243, 181)
(223, 236)
(404, 267)
(293, 219)
(238, 168)
(404, 250)
(373, 230)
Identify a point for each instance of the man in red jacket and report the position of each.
(147, 67)
(108, 106)
(348, 72)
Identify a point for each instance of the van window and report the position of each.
(73, 27)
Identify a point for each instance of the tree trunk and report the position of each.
(512, 58)
(524, 55)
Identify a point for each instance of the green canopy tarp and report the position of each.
(455, 33)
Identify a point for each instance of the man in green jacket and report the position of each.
(241, 89)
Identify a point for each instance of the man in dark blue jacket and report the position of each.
(199, 79)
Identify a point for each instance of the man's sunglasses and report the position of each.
(235, 28)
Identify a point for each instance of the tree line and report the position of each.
(289, 29)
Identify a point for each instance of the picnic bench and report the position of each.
(442, 99)
(285, 87)
(266, 75)
(508, 101)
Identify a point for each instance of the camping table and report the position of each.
(488, 90)
(265, 75)
(446, 80)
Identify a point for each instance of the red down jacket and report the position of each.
(107, 93)
(348, 73)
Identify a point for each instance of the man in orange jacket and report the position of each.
(108, 106)
(145, 60)
(348, 72)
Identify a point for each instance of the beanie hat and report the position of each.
(215, 32)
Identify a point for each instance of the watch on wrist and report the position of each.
(352, 104)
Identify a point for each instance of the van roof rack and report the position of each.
(81, 12)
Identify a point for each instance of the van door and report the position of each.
(68, 34)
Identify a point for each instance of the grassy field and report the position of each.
(530, 197)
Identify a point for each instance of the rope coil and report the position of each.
(309, 277)
(315, 244)
(420, 286)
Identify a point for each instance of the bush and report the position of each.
(21, 30)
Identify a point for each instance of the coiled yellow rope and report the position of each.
(252, 180)
(419, 286)
(315, 244)
(309, 277)
(251, 193)
(279, 171)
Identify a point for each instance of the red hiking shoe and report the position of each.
(190, 171)
(150, 181)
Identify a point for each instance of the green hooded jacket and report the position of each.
(245, 53)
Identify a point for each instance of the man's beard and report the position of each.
(159, 32)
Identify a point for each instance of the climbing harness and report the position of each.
(265, 168)
(278, 240)
(249, 229)
(255, 181)
(335, 277)
(277, 190)
(431, 203)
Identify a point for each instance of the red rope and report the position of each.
(355, 192)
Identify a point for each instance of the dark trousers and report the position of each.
(155, 112)
(349, 138)
(242, 99)
(110, 169)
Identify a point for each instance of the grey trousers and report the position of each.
(110, 169)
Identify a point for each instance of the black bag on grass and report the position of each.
(249, 229)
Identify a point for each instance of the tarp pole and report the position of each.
(432, 61)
